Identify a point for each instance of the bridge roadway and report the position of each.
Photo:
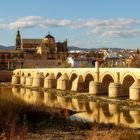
(114, 82)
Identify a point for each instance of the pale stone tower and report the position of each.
(18, 40)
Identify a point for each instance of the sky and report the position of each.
(84, 23)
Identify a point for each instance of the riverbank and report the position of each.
(53, 126)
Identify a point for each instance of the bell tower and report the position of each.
(18, 40)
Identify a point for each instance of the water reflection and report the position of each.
(86, 111)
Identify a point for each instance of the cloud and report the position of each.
(33, 21)
(36, 21)
(56, 23)
(108, 28)
(111, 23)
(117, 28)
(84, 23)
(118, 23)
(121, 34)
(2, 26)
(26, 22)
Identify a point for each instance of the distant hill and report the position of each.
(7, 48)
(73, 48)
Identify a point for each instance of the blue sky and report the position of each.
(85, 23)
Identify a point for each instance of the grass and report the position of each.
(112, 132)
(11, 112)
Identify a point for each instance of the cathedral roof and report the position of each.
(30, 41)
(49, 36)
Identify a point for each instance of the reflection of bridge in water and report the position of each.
(113, 82)
(90, 111)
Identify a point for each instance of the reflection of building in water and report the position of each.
(89, 111)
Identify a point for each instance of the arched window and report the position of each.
(2, 56)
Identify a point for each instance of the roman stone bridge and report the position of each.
(113, 82)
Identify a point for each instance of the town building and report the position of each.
(30, 53)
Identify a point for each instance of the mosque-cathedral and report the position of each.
(31, 53)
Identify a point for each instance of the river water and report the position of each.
(80, 110)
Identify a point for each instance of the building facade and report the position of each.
(30, 53)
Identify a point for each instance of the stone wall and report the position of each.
(5, 76)
(39, 63)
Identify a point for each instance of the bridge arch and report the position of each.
(58, 75)
(72, 78)
(87, 79)
(18, 73)
(127, 74)
(23, 74)
(28, 74)
(73, 75)
(46, 74)
(108, 73)
(127, 80)
(80, 79)
(106, 79)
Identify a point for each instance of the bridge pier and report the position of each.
(77, 85)
(50, 82)
(22, 80)
(29, 81)
(95, 88)
(38, 81)
(15, 79)
(134, 91)
(63, 83)
(115, 90)
(97, 71)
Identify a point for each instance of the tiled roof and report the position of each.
(49, 36)
(34, 41)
